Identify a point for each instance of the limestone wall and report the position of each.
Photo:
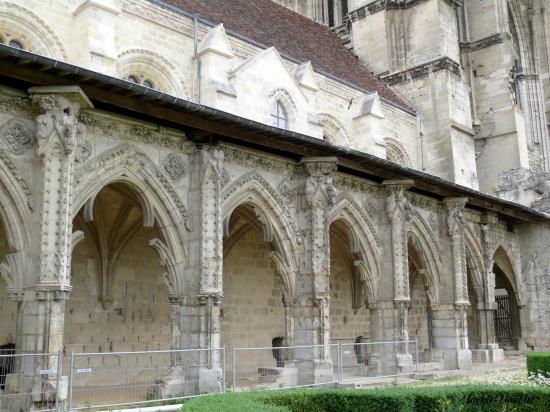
(137, 319)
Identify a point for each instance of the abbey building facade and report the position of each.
(174, 175)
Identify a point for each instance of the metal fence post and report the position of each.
(224, 388)
(340, 367)
(71, 382)
(234, 369)
(57, 380)
(416, 346)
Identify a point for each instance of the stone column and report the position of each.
(312, 320)
(42, 308)
(488, 350)
(205, 295)
(455, 225)
(398, 209)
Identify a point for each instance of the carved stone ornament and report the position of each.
(58, 124)
(16, 136)
(174, 165)
(455, 216)
(319, 184)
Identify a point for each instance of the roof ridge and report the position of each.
(296, 37)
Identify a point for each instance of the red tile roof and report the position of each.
(271, 24)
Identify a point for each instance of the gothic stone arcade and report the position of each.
(122, 234)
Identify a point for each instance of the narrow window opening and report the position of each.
(278, 115)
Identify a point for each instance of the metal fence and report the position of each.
(115, 379)
(360, 360)
(30, 381)
(105, 380)
(283, 367)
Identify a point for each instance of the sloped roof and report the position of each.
(292, 34)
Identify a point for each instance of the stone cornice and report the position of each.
(485, 42)
(379, 5)
(443, 63)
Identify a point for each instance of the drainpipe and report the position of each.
(197, 60)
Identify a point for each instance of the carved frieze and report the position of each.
(158, 137)
(251, 160)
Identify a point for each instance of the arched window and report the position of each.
(279, 116)
(141, 79)
(12, 40)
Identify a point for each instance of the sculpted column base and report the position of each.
(487, 353)
(450, 344)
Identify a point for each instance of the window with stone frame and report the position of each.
(142, 80)
(12, 39)
(279, 117)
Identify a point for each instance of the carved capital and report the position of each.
(397, 204)
(176, 300)
(213, 167)
(57, 127)
(321, 300)
(16, 294)
(455, 215)
(215, 299)
(51, 292)
(319, 184)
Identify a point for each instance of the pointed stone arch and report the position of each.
(501, 258)
(364, 244)
(474, 262)
(277, 226)
(421, 236)
(37, 35)
(159, 202)
(15, 215)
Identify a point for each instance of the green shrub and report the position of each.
(466, 398)
(539, 362)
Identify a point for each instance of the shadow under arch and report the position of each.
(352, 287)
(278, 229)
(506, 317)
(118, 287)
(424, 296)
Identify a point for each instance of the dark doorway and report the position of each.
(506, 316)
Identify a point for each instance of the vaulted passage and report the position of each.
(420, 312)
(252, 314)
(8, 308)
(507, 326)
(473, 315)
(349, 316)
(119, 300)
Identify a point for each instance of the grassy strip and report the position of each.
(464, 398)
(539, 362)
